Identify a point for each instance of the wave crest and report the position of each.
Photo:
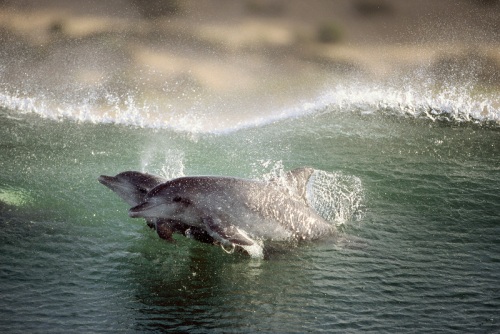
(451, 104)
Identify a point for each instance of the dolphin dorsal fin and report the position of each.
(297, 180)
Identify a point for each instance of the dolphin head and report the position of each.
(168, 200)
(131, 186)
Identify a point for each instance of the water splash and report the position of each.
(453, 104)
(168, 164)
(174, 164)
(450, 104)
(336, 197)
(268, 170)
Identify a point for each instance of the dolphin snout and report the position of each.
(106, 180)
(144, 210)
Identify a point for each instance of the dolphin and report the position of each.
(132, 187)
(238, 213)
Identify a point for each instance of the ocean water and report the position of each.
(418, 247)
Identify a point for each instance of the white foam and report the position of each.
(450, 104)
(255, 251)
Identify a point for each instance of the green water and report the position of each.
(424, 255)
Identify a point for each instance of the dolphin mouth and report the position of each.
(106, 180)
(144, 210)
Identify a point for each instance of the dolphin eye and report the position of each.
(178, 199)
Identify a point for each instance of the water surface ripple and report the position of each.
(423, 255)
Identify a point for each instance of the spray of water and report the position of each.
(169, 163)
(451, 104)
(454, 104)
(337, 197)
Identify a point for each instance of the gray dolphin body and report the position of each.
(238, 212)
(132, 187)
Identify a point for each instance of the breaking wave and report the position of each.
(449, 105)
